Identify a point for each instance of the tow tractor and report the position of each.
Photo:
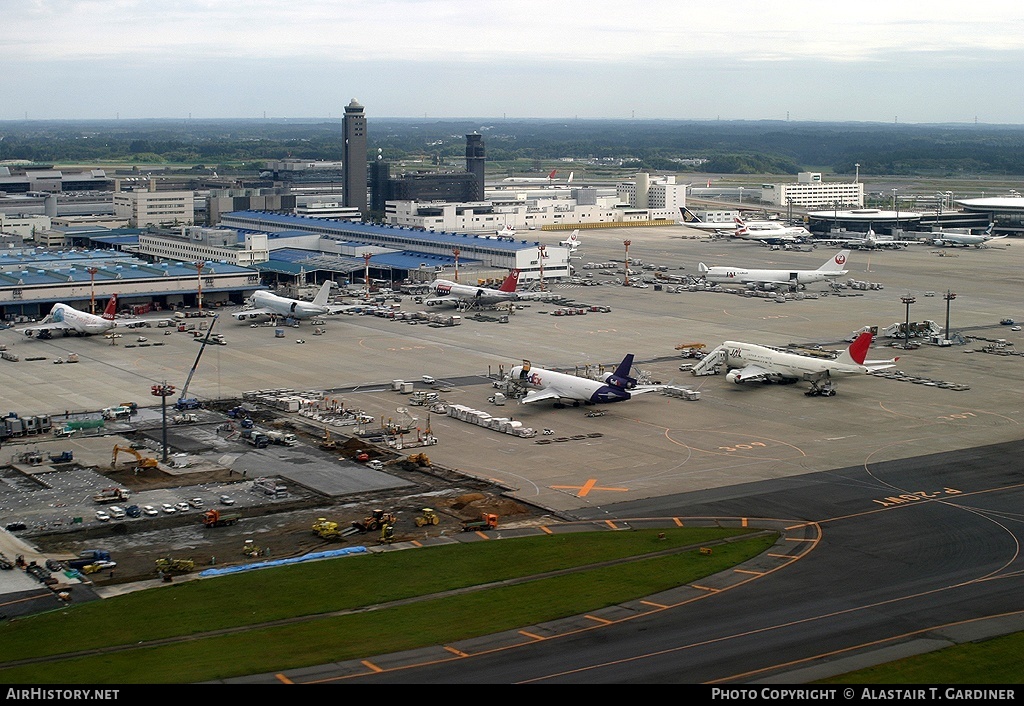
(822, 388)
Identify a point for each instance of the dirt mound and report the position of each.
(471, 505)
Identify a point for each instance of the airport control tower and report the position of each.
(354, 157)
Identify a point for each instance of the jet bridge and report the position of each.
(712, 363)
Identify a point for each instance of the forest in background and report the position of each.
(725, 147)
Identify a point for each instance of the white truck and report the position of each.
(281, 437)
(187, 418)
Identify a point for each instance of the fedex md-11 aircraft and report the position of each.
(447, 292)
(749, 362)
(543, 384)
(268, 304)
(775, 279)
(69, 320)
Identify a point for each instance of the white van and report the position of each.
(116, 512)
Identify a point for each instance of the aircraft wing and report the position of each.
(538, 395)
(46, 326)
(246, 314)
(433, 301)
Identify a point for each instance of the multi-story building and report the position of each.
(155, 208)
(810, 191)
(657, 193)
(197, 244)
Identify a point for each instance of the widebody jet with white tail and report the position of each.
(263, 304)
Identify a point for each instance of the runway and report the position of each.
(899, 558)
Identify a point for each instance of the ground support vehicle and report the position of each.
(187, 418)
(62, 457)
(487, 521)
(216, 518)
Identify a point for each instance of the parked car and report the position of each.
(196, 502)
(182, 506)
(102, 516)
(227, 500)
(133, 511)
(168, 508)
(149, 510)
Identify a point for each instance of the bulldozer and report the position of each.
(375, 521)
(429, 517)
(140, 460)
(170, 565)
(326, 529)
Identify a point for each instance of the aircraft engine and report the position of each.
(622, 383)
(938, 242)
(734, 376)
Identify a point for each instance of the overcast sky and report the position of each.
(803, 60)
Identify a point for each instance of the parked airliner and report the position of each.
(775, 279)
(563, 387)
(69, 320)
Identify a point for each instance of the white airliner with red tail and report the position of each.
(749, 362)
(776, 279)
(70, 321)
(453, 293)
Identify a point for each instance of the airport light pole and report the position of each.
(456, 252)
(199, 290)
(92, 288)
(907, 299)
(950, 296)
(366, 272)
(896, 207)
(540, 261)
(627, 243)
(163, 391)
(856, 176)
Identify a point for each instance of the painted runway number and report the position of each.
(959, 415)
(743, 447)
(904, 498)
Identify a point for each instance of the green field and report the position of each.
(307, 614)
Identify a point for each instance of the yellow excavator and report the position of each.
(140, 460)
